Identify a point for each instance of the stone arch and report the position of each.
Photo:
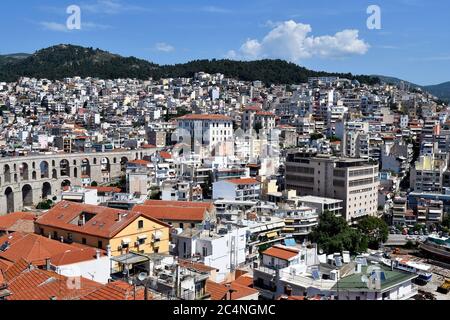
(105, 165)
(64, 168)
(9, 195)
(34, 175)
(27, 195)
(66, 183)
(44, 169)
(74, 162)
(15, 178)
(24, 171)
(7, 173)
(123, 164)
(46, 190)
(85, 168)
(54, 174)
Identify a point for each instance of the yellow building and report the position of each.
(104, 228)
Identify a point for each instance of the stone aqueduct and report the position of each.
(26, 181)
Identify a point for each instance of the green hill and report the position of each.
(62, 61)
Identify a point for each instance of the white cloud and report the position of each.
(164, 47)
(54, 26)
(111, 7)
(214, 9)
(60, 27)
(291, 41)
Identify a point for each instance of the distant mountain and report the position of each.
(62, 61)
(442, 91)
(12, 57)
(395, 81)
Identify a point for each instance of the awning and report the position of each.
(272, 235)
(126, 241)
(142, 237)
(289, 229)
(289, 221)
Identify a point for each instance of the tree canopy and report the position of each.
(375, 229)
(333, 234)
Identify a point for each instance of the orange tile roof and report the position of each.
(245, 280)
(172, 213)
(220, 291)
(139, 162)
(76, 256)
(33, 248)
(282, 253)
(205, 117)
(243, 181)
(105, 223)
(117, 291)
(17, 221)
(195, 266)
(36, 284)
(216, 290)
(188, 204)
(165, 155)
(106, 189)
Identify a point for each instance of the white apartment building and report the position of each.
(223, 249)
(354, 181)
(203, 133)
(244, 189)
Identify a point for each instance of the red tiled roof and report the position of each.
(265, 114)
(195, 266)
(205, 117)
(139, 162)
(17, 221)
(165, 155)
(106, 189)
(282, 253)
(32, 248)
(76, 256)
(117, 291)
(216, 290)
(186, 204)
(105, 223)
(36, 284)
(220, 291)
(171, 213)
(245, 280)
(243, 181)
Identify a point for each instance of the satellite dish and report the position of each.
(142, 276)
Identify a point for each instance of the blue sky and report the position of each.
(413, 42)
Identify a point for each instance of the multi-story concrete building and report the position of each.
(354, 181)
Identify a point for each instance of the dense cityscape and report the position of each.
(214, 188)
(210, 160)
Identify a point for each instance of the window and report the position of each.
(100, 244)
(83, 240)
(141, 241)
(141, 224)
(55, 235)
(181, 225)
(204, 251)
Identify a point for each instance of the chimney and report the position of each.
(62, 239)
(97, 254)
(47, 264)
(108, 250)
